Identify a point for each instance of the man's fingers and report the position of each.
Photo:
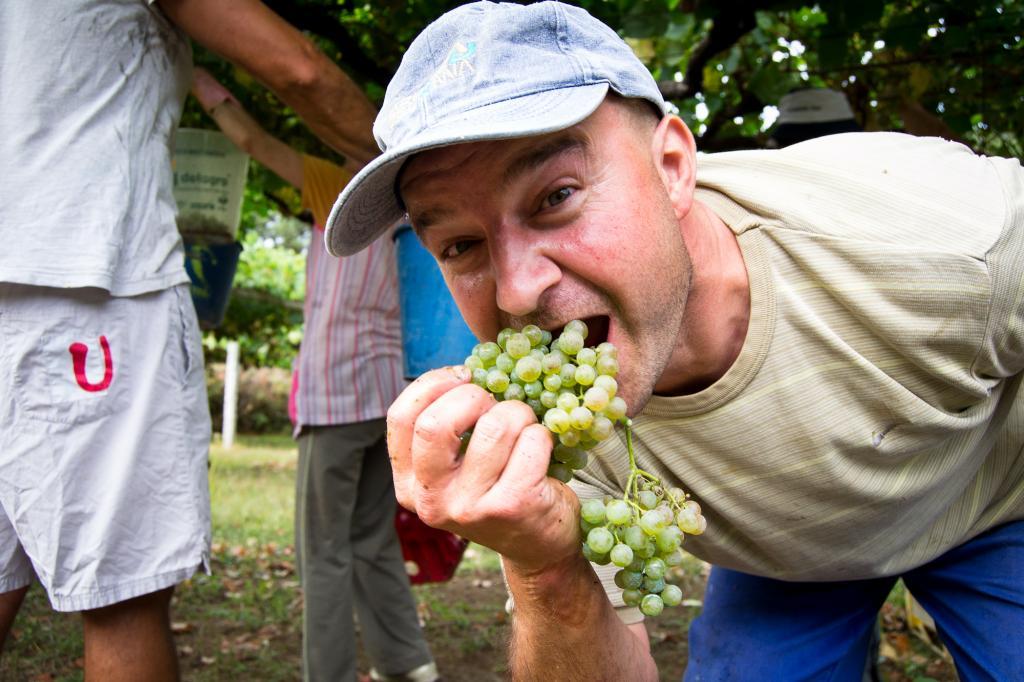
(494, 436)
(436, 433)
(402, 417)
(528, 464)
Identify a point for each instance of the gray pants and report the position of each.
(349, 556)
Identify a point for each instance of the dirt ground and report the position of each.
(243, 622)
(468, 630)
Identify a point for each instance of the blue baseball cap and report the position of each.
(485, 71)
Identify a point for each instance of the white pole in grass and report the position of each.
(230, 396)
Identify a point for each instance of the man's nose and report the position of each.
(523, 272)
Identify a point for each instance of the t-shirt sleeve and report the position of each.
(322, 182)
(1003, 355)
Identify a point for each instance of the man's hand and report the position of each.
(498, 493)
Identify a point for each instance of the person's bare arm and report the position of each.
(250, 35)
(497, 493)
(243, 130)
(564, 628)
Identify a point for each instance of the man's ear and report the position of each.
(675, 156)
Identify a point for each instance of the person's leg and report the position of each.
(330, 460)
(15, 575)
(131, 640)
(754, 628)
(10, 602)
(975, 593)
(384, 600)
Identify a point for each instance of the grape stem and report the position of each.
(635, 473)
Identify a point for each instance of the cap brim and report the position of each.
(368, 206)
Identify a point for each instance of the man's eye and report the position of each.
(457, 248)
(558, 196)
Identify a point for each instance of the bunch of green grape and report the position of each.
(572, 390)
(642, 534)
(570, 387)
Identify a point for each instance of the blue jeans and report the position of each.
(761, 629)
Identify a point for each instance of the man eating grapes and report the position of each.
(822, 345)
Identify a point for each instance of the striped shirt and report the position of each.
(872, 420)
(350, 361)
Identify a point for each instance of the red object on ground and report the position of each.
(431, 555)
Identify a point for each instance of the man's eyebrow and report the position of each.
(537, 156)
(428, 217)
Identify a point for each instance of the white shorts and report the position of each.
(104, 437)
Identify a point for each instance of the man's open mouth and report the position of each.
(597, 330)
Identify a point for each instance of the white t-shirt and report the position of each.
(91, 93)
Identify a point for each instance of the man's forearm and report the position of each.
(564, 628)
(248, 34)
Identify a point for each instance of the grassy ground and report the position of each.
(243, 621)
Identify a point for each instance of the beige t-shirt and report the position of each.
(871, 421)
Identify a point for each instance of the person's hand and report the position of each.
(209, 91)
(498, 493)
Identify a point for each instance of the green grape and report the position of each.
(607, 365)
(581, 418)
(616, 409)
(552, 382)
(570, 438)
(651, 522)
(474, 362)
(655, 568)
(601, 427)
(528, 369)
(514, 392)
(505, 363)
(624, 579)
(488, 352)
(553, 361)
(567, 401)
(595, 399)
(585, 375)
(534, 334)
(652, 605)
(600, 540)
(503, 337)
(674, 558)
(557, 420)
(577, 326)
(621, 555)
(518, 345)
(635, 538)
(560, 471)
(593, 511)
(577, 458)
(672, 595)
(570, 342)
(586, 356)
(497, 381)
(618, 512)
(567, 373)
(632, 597)
(652, 585)
(610, 386)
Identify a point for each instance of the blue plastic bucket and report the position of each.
(211, 269)
(433, 332)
